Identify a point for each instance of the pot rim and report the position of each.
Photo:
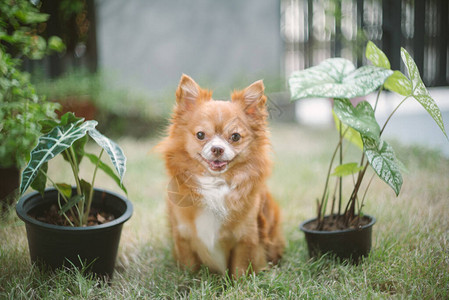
(23, 214)
(302, 228)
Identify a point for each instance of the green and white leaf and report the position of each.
(347, 169)
(398, 83)
(336, 78)
(383, 160)
(50, 145)
(349, 134)
(114, 151)
(376, 56)
(361, 118)
(420, 92)
(94, 160)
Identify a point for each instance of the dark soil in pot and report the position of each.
(50, 214)
(52, 246)
(350, 243)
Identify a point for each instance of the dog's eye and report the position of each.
(200, 135)
(235, 137)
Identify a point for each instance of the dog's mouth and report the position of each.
(216, 165)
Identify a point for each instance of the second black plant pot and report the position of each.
(53, 246)
(352, 244)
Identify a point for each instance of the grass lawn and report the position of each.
(410, 256)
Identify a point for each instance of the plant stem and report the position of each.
(340, 179)
(377, 98)
(364, 194)
(73, 163)
(91, 192)
(60, 193)
(392, 113)
(323, 198)
(65, 216)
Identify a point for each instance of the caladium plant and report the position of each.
(68, 138)
(337, 78)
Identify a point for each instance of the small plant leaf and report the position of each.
(382, 159)
(349, 133)
(64, 189)
(346, 169)
(114, 151)
(85, 187)
(47, 125)
(398, 83)
(40, 182)
(420, 92)
(94, 160)
(71, 203)
(361, 118)
(336, 78)
(376, 56)
(69, 118)
(50, 145)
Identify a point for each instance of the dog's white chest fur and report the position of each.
(210, 219)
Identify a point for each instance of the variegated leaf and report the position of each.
(420, 92)
(114, 151)
(382, 159)
(361, 118)
(336, 78)
(50, 145)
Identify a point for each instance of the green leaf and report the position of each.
(114, 151)
(71, 203)
(85, 187)
(336, 78)
(382, 159)
(94, 159)
(398, 83)
(420, 92)
(41, 180)
(70, 118)
(48, 125)
(50, 145)
(350, 135)
(376, 56)
(346, 169)
(55, 43)
(360, 118)
(64, 189)
(31, 17)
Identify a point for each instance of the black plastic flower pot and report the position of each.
(91, 248)
(349, 244)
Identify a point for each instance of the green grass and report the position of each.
(409, 259)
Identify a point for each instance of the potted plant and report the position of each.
(20, 106)
(341, 227)
(78, 225)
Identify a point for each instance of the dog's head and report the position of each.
(220, 134)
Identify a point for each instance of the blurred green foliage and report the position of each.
(20, 107)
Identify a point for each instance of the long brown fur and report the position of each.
(249, 236)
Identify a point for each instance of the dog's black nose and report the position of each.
(217, 151)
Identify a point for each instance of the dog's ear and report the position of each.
(251, 98)
(189, 93)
